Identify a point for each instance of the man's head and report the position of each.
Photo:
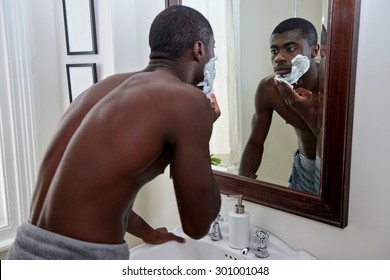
(306, 28)
(292, 37)
(176, 29)
(322, 66)
(324, 42)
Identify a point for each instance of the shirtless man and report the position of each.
(291, 37)
(120, 134)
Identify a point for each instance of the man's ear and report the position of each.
(314, 50)
(198, 50)
(323, 51)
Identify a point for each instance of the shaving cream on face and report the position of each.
(300, 65)
(209, 76)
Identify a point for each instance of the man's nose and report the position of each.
(279, 57)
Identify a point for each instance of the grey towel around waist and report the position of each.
(305, 174)
(34, 243)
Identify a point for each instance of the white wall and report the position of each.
(367, 235)
(46, 79)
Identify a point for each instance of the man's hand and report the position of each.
(141, 229)
(301, 100)
(162, 235)
(214, 107)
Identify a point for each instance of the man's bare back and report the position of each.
(120, 134)
(125, 140)
(67, 126)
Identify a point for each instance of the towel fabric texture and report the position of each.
(305, 174)
(34, 243)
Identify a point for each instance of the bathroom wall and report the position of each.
(366, 236)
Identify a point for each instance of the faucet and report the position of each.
(215, 233)
(261, 250)
(263, 237)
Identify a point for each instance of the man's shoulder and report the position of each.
(266, 86)
(119, 77)
(268, 81)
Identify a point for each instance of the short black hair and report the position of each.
(324, 36)
(176, 29)
(307, 29)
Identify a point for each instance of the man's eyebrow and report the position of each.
(289, 43)
(273, 46)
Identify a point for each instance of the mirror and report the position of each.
(331, 206)
(244, 59)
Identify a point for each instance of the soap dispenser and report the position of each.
(238, 226)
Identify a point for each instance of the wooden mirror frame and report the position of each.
(331, 207)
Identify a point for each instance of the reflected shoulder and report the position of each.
(266, 90)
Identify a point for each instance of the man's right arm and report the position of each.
(197, 195)
(261, 122)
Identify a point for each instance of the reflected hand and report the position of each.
(214, 107)
(162, 235)
(300, 100)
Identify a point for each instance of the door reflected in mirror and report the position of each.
(245, 59)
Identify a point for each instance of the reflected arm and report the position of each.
(261, 122)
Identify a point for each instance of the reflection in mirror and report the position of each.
(245, 59)
(331, 206)
(281, 142)
(293, 43)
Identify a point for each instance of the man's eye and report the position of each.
(274, 52)
(291, 49)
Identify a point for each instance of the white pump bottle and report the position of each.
(239, 226)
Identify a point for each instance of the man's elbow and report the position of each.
(196, 231)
